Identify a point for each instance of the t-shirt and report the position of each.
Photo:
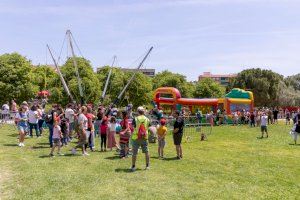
(23, 117)
(179, 123)
(264, 120)
(82, 119)
(112, 126)
(103, 129)
(33, 117)
(56, 132)
(70, 115)
(5, 109)
(161, 131)
(90, 117)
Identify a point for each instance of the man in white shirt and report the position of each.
(263, 127)
(69, 114)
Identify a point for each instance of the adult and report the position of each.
(275, 116)
(178, 133)
(82, 131)
(90, 130)
(140, 137)
(199, 116)
(70, 114)
(21, 119)
(51, 116)
(33, 118)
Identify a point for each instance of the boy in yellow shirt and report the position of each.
(161, 133)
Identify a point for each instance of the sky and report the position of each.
(189, 36)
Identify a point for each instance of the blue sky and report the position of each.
(189, 36)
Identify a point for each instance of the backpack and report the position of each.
(142, 132)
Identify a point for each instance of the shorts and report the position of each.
(24, 129)
(177, 137)
(56, 141)
(71, 127)
(124, 145)
(161, 143)
(136, 144)
(264, 129)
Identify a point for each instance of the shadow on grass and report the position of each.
(170, 159)
(10, 145)
(43, 143)
(293, 144)
(113, 158)
(120, 170)
(40, 147)
(13, 135)
(67, 155)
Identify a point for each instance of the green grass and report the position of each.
(232, 164)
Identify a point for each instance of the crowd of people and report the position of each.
(125, 131)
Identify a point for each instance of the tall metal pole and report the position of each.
(76, 68)
(108, 77)
(132, 77)
(61, 77)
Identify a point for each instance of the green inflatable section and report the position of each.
(238, 93)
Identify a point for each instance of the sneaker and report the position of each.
(20, 145)
(178, 157)
(73, 151)
(132, 169)
(51, 155)
(147, 168)
(85, 154)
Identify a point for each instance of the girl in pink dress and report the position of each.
(111, 140)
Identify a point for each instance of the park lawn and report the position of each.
(232, 164)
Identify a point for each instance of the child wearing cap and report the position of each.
(161, 133)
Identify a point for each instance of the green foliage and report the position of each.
(90, 83)
(16, 81)
(169, 79)
(208, 88)
(287, 95)
(293, 81)
(44, 77)
(263, 83)
(138, 93)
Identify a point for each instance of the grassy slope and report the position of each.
(232, 164)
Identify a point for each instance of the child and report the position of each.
(124, 135)
(57, 135)
(111, 140)
(263, 127)
(295, 131)
(65, 131)
(103, 132)
(161, 133)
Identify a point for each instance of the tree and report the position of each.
(263, 83)
(90, 83)
(287, 95)
(293, 81)
(208, 88)
(138, 93)
(45, 77)
(16, 80)
(169, 79)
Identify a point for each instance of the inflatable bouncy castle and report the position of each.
(169, 99)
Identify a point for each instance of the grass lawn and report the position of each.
(232, 164)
